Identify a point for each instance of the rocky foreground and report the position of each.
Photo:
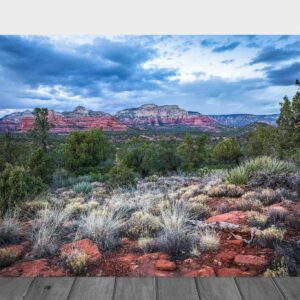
(239, 244)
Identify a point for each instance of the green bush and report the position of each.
(228, 150)
(82, 187)
(17, 185)
(85, 151)
(121, 176)
(241, 174)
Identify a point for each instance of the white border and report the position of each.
(149, 17)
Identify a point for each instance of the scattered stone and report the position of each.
(234, 272)
(251, 261)
(165, 265)
(226, 256)
(205, 271)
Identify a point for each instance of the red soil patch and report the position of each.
(234, 217)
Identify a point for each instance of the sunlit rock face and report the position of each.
(78, 119)
(167, 116)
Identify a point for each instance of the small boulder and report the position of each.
(226, 256)
(85, 246)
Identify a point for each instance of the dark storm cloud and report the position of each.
(226, 47)
(36, 62)
(273, 54)
(286, 75)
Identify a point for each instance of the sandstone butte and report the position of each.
(149, 115)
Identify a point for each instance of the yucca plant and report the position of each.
(241, 174)
(82, 187)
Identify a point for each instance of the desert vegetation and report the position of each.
(83, 204)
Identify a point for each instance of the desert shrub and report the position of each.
(9, 228)
(203, 171)
(7, 257)
(82, 187)
(268, 196)
(46, 229)
(242, 174)
(103, 227)
(270, 236)
(86, 150)
(200, 198)
(244, 205)
(143, 224)
(257, 220)
(121, 176)
(277, 269)
(209, 241)
(76, 262)
(293, 219)
(224, 208)
(277, 214)
(225, 190)
(199, 210)
(291, 254)
(17, 185)
(228, 150)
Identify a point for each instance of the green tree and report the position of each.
(228, 150)
(86, 151)
(193, 152)
(121, 176)
(41, 127)
(41, 165)
(262, 141)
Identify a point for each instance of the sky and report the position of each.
(208, 74)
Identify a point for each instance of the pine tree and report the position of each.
(41, 127)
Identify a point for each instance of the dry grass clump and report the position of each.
(7, 257)
(191, 191)
(77, 262)
(209, 241)
(278, 269)
(143, 224)
(225, 190)
(9, 228)
(77, 208)
(270, 236)
(200, 198)
(31, 208)
(266, 196)
(245, 205)
(175, 238)
(277, 214)
(145, 243)
(46, 229)
(257, 220)
(103, 227)
(198, 210)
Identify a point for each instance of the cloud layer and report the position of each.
(210, 74)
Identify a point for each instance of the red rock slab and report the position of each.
(234, 243)
(251, 261)
(234, 272)
(165, 265)
(205, 271)
(34, 268)
(86, 246)
(234, 217)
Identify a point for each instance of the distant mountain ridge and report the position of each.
(147, 116)
(238, 120)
